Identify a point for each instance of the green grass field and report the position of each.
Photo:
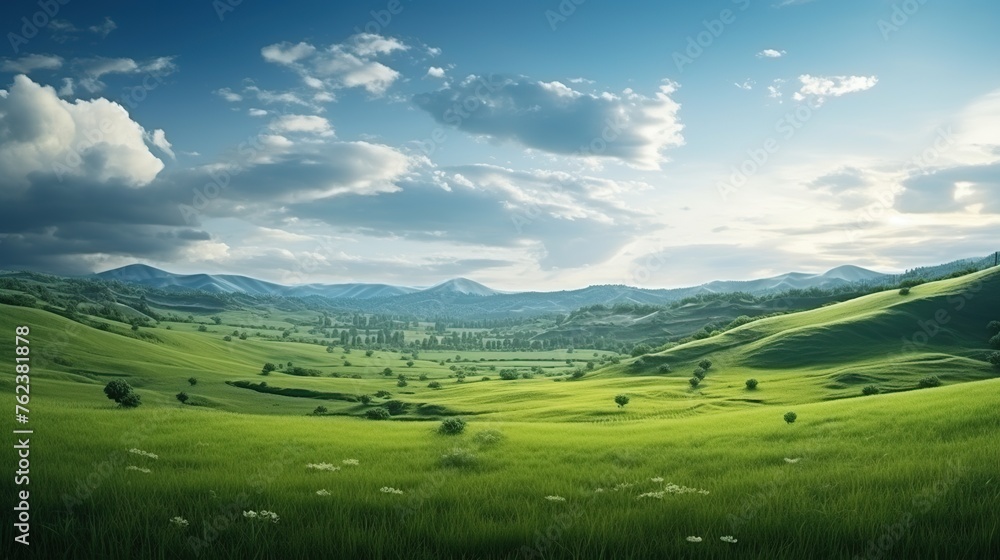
(548, 467)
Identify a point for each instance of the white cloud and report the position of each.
(90, 139)
(746, 85)
(550, 116)
(818, 88)
(26, 64)
(287, 53)
(311, 124)
(229, 95)
(770, 53)
(435, 72)
(433, 51)
(67, 88)
(92, 69)
(371, 44)
(159, 139)
(257, 112)
(104, 28)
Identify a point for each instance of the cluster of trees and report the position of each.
(121, 392)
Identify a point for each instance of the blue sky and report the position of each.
(525, 144)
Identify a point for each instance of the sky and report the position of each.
(527, 145)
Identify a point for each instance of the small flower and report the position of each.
(323, 492)
(555, 498)
(351, 462)
(657, 495)
(143, 453)
(728, 539)
(622, 486)
(694, 539)
(323, 467)
(250, 514)
(599, 490)
(139, 469)
(268, 516)
(656, 479)
(390, 490)
(792, 461)
(179, 521)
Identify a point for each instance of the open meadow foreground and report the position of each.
(531, 279)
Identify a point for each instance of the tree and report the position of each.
(993, 327)
(700, 373)
(227, 338)
(409, 363)
(130, 400)
(202, 328)
(268, 368)
(640, 349)
(751, 384)
(365, 399)
(995, 341)
(192, 381)
(117, 389)
(452, 426)
(387, 372)
(319, 410)
(434, 385)
(621, 400)
(870, 390)
(994, 359)
(369, 353)
(377, 413)
(401, 383)
(183, 397)
(790, 417)
(705, 364)
(135, 327)
(217, 319)
(694, 381)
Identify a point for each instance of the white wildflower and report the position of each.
(672, 488)
(656, 479)
(657, 495)
(143, 453)
(390, 490)
(139, 469)
(351, 462)
(250, 514)
(728, 539)
(555, 498)
(268, 516)
(179, 521)
(323, 492)
(323, 467)
(792, 461)
(622, 486)
(694, 539)
(599, 490)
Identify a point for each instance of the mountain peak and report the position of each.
(852, 273)
(462, 286)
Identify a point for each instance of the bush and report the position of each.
(694, 381)
(130, 400)
(383, 394)
(995, 341)
(422, 377)
(904, 291)
(700, 373)
(268, 368)
(751, 384)
(409, 363)
(365, 399)
(993, 327)
(377, 413)
(227, 338)
(665, 368)
(508, 374)
(485, 378)
(578, 373)
(871, 390)
(994, 359)
(396, 408)
(347, 363)
(401, 383)
(192, 381)
(790, 417)
(369, 353)
(117, 390)
(929, 381)
(434, 385)
(183, 397)
(458, 457)
(387, 372)
(489, 437)
(621, 400)
(527, 375)
(319, 410)
(705, 364)
(640, 349)
(452, 426)
(202, 328)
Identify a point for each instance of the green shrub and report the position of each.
(508, 374)
(377, 413)
(227, 338)
(423, 377)
(994, 359)
(458, 457)
(904, 291)
(387, 372)
(871, 390)
(319, 410)
(621, 400)
(193, 381)
(130, 400)
(396, 408)
(452, 426)
(488, 437)
(790, 417)
(117, 389)
(694, 381)
(929, 381)
(183, 397)
(700, 373)
(578, 373)
(640, 349)
(365, 399)
(401, 383)
(751, 384)
(665, 368)
(485, 378)
(993, 327)
(268, 368)
(434, 385)
(705, 364)
(383, 394)
(995, 341)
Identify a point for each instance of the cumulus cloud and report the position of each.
(818, 88)
(435, 72)
(351, 64)
(41, 133)
(552, 117)
(966, 188)
(771, 53)
(28, 63)
(104, 28)
(159, 139)
(302, 123)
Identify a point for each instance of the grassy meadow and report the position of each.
(547, 466)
